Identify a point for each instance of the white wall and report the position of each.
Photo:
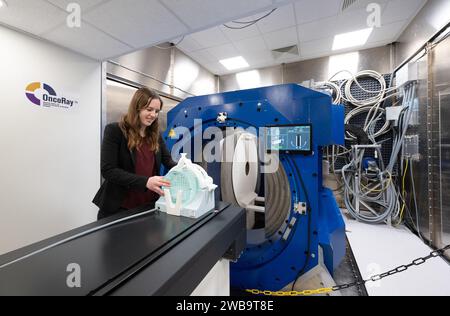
(49, 157)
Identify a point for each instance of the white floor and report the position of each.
(217, 282)
(380, 248)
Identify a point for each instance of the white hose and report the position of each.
(371, 100)
(360, 110)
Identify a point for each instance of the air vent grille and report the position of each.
(347, 4)
(288, 51)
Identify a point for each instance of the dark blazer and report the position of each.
(118, 169)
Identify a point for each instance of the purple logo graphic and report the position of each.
(31, 92)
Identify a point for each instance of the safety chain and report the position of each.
(375, 278)
(292, 293)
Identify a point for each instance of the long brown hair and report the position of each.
(131, 123)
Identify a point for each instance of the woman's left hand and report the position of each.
(155, 183)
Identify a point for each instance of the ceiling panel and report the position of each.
(114, 27)
(311, 10)
(203, 56)
(350, 21)
(257, 58)
(312, 25)
(215, 67)
(223, 51)
(99, 45)
(36, 17)
(317, 29)
(282, 18)
(398, 10)
(198, 13)
(251, 45)
(316, 47)
(237, 35)
(84, 4)
(281, 38)
(188, 44)
(387, 32)
(210, 38)
(363, 4)
(138, 23)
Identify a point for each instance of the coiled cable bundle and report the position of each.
(335, 90)
(373, 100)
(371, 196)
(376, 115)
(370, 191)
(372, 105)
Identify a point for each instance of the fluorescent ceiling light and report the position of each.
(234, 63)
(351, 39)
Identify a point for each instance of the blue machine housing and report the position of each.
(276, 263)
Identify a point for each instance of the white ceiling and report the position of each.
(112, 28)
(309, 24)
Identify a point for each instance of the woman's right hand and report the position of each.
(155, 183)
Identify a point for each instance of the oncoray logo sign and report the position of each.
(42, 94)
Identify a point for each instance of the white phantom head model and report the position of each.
(191, 193)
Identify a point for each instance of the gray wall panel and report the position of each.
(268, 77)
(432, 172)
(152, 61)
(378, 59)
(118, 99)
(170, 66)
(441, 105)
(420, 168)
(190, 76)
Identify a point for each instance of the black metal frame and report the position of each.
(223, 236)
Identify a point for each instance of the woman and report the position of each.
(132, 153)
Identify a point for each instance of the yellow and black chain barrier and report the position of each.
(375, 278)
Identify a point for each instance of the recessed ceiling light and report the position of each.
(234, 63)
(3, 3)
(352, 39)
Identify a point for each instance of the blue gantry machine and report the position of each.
(294, 223)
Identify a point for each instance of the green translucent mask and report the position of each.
(184, 181)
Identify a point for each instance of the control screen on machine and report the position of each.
(292, 138)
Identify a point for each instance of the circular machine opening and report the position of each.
(266, 197)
